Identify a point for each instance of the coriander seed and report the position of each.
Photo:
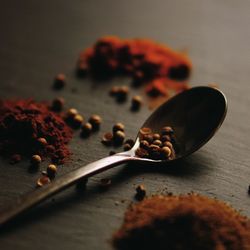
(42, 141)
(167, 131)
(86, 129)
(107, 139)
(59, 81)
(43, 181)
(95, 121)
(165, 152)
(77, 121)
(57, 104)
(126, 147)
(118, 127)
(119, 137)
(157, 142)
(140, 192)
(36, 160)
(51, 170)
(136, 103)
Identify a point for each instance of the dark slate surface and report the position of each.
(42, 38)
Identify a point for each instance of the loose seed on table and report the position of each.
(122, 93)
(95, 121)
(114, 90)
(107, 139)
(118, 127)
(136, 103)
(59, 81)
(51, 170)
(86, 129)
(43, 181)
(36, 159)
(42, 141)
(140, 192)
(71, 113)
(126, 147)
(119, 137)
(82, 70)
(57, 104)
(77, 121)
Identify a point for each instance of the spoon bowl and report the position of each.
(195, 115)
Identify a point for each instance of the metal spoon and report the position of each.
(195, 115)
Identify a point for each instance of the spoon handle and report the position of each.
(35, 197)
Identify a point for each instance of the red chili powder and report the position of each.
(147, 62)
(183, 222)
(22, 122)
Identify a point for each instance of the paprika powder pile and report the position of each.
(159, 67)
(28, 127)
(183, 222)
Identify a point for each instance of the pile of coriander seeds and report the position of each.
(157, 146)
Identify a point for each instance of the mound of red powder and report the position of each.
(23, 122)
(185, 222)
(160, 67)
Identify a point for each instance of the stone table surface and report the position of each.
(40, 39)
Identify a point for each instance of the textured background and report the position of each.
(42, 38)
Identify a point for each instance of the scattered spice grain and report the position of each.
(95, 121)
(107, 139)
(118, 127)
(59, 81)
(118, 137)
(182, 222)
(35, 160)
(86, 129)
(44, 180)
(51, 170)
(140, 192)
(126, 147)
(136, 103)
(57, 104)
(77, 121)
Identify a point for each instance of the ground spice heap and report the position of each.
(183, 222)
(30, 128)
(162, 69)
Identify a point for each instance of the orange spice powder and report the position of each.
(161, 69)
